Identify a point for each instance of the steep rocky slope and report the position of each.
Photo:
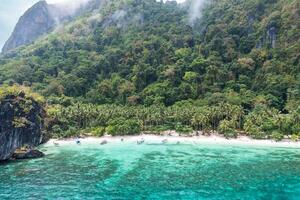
(42, 18)
(37, 21)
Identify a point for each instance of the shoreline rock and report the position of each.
(21, 123)
(27, 154)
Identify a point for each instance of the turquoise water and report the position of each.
(154, 171)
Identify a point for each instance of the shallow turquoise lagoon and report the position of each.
(154, 171)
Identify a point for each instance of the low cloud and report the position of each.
(69, 2)
(69, 7)
(196, 8)
(123, 18)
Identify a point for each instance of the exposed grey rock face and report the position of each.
(42, 18)
(268, 39)
(271, 35)
(35, 22)
(21, 123)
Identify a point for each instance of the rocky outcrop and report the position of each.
(42, 18)
(21, 123)
(27, 154)
(35, 22)
(269, 39)
(271, 36)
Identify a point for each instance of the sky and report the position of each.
(12, 10)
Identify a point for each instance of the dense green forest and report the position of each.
(141, 65)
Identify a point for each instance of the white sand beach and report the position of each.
(213, 139)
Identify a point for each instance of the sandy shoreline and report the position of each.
(213, 139)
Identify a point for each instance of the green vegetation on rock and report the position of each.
(20, 103)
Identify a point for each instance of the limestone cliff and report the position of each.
(21, 123)
(35, 22)
(42, 18)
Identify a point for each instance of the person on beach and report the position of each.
(78, 141)
(56, 143)
(140, 141)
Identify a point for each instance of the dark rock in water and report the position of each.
(27, 154)
(103, 142)
(21, 123)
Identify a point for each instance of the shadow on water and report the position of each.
(14, 162)
(8, 162)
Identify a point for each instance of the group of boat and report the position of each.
(103, 142)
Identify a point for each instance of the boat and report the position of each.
(103, 142)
